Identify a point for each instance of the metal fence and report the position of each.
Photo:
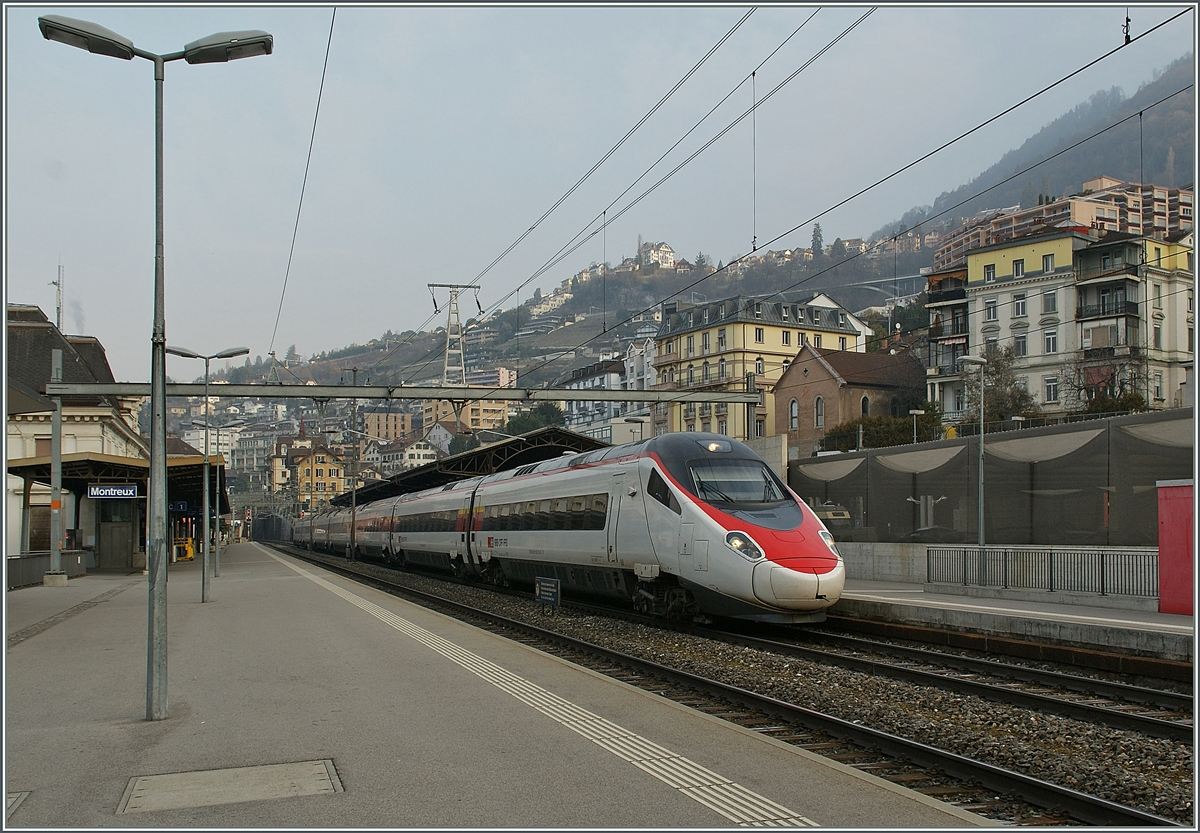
(1127, 571)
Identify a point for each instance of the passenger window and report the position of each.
(660, 491)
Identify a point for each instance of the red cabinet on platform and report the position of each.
(1176, 556)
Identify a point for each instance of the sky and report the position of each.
(445, 133)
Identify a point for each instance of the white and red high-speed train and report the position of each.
(684, 525)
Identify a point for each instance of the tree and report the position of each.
(1004, 397)
(703, 263)
(818, 245)
(884, 431)
(837, 252)
(291, 355)
(542, 415)
(463, 442)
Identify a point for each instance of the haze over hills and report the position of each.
(1157, 149)
(1090, 140)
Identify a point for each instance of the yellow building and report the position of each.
(713, 346)
(475, 414)
(318, 474)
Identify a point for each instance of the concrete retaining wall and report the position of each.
(27, 570)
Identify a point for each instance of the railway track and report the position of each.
(974, 785)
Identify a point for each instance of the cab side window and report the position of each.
(660, 491)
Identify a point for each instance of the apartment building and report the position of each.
(715, 345)
(1104, 203)
(592, 418)
(1086, 312)
(475, 414)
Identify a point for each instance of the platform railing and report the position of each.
(1120, 571)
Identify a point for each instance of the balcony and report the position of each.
(1114, 272)
(956, 328)
(1106, 309)
(959, 294)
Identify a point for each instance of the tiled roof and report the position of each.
(874, 369)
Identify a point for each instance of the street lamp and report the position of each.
(225, 46)
(217, 541)
(915, 412)
(224, 354)
(981, 362)
(639, 422)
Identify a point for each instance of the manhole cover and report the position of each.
(180, 790)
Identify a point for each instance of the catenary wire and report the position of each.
(906, 167)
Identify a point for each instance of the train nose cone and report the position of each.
(781, 585)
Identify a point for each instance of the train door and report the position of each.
(614, 513)
(663, 514)
(468, 552)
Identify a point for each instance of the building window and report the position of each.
(758, 335)
(691, 346)
(1021, 345)
(1157, 336)
(866, 406)
(787, 337)
(841, 342)
(308, 472)
(758, 310)
(1050, 300)
(1158, 296)
(320, 472)
(760, 428)
(1158, 386)
(704, 372)
(819, 412)
(989, 272)
(784, 311)
(1051, 340)
(691, 375)
(721, 339)
(799, 339)
(759, 366)
(706, 315)
(816, 339)
(1047, 263)
(1018, 268)
(704, 338)
(721, 369)
(1051, 383)
(1019, 304)
(670, 348)
(793, 415)
(989, 310)
(723, 427)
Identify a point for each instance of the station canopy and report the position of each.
(185, 474)
(533, 447)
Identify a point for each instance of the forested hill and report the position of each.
(1159, 152)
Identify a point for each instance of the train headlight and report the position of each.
(829, 542)
(742, 544)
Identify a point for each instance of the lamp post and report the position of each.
(224, 354)
(981, 362)
(217, 541)
(915, 412)
(639, 423)
(218, 48)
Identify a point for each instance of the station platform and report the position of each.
(300, 699)
(1036, 618)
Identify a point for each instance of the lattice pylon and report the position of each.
(454, 369)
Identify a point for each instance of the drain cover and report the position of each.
(180, 790)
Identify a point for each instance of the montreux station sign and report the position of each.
(112, 490)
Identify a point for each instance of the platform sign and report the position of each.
(547, 591)
(112, 490)
(178, 506)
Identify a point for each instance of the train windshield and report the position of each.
(735, 481)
